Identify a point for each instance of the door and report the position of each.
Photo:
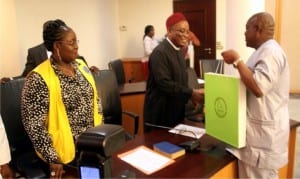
(201, 15)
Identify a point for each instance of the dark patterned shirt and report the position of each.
(77, 94)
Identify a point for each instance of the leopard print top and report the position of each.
(77, 96)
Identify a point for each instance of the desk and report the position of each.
(133, 69)
(132, 99)
(192, 165)
(132, 88)
(288, 170)
(216, 163)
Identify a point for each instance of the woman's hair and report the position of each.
(147, 30)
(53, 30)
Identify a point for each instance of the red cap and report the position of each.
(174, 19)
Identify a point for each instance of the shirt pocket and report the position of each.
(260, 134)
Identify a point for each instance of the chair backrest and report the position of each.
(192, 78)
(108, 91)
(11, 115)
(117, 67)
(24, 158)
(211, 65)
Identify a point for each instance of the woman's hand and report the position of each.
(56, 170)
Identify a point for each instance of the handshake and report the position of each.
(197, 96)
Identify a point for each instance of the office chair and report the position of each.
(117, 67)
(211, 65)
(24, 159)
(108, 91)
(193, 112)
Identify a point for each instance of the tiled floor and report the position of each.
(295, 114)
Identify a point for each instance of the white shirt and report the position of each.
(149, 45)
(4, 146)
(268, 116)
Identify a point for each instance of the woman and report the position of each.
(59, 99)
(149, 41)
(149, 44)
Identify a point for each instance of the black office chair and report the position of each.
(118, 68)
(193, 112)
(108, 91)
(24, 159)
(211, 65)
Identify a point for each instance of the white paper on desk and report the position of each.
(187, 130)
(145, 159)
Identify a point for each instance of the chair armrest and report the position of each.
(135, 117)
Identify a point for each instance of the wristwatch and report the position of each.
(236, 62)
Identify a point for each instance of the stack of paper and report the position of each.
(145, 159)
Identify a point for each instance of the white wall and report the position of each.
(237, 14)
(95, 23)
(290, 39)
(9, 54)
(135, 15)
(221, 27)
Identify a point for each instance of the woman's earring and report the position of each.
(58, 54)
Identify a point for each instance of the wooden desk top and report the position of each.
(136, 87)
(294, 123)
(132, 88)
(199, 164)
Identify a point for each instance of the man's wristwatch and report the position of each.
(236, 62)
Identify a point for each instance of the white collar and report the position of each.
(174, 46)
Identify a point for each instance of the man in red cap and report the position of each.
(167, 85)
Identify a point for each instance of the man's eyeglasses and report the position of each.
(182, 31)
(70, 42)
